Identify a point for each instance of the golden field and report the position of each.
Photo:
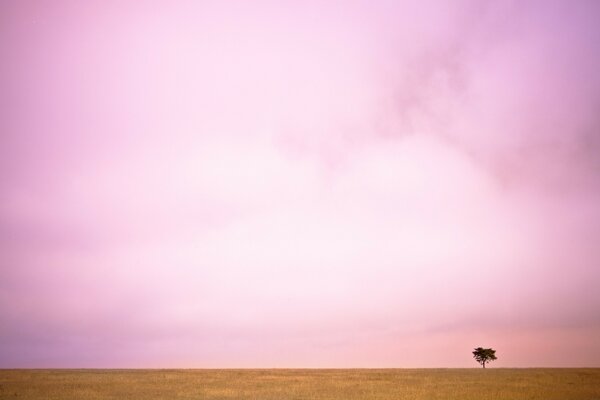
(288, 384)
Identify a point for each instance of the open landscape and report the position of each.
(296, 384)
(300, 200)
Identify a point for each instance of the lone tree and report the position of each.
(482, 355)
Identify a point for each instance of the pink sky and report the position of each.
(299, 184)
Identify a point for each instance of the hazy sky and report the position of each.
(299, 184)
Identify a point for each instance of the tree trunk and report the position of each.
(484, 364)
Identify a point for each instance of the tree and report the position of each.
(482, 355)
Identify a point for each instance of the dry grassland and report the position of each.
(287, 384)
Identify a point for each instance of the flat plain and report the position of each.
(288, 384)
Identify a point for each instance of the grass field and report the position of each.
(464, 384)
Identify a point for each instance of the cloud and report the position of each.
(214, 184)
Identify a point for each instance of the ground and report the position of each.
(288, 384)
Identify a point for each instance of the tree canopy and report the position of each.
(483, 356)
